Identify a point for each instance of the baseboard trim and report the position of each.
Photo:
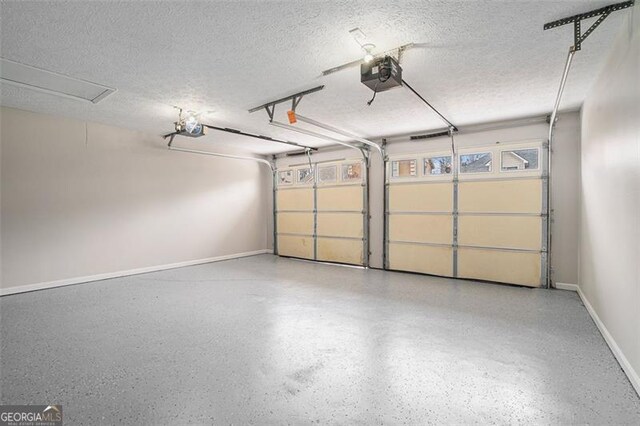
(633, 376)
(99, 277)
(569, 287)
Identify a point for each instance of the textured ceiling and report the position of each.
(480, 61)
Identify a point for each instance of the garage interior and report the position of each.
(345, 212)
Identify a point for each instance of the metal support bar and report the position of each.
(272, 104)
(544, 264)
(456, 192)
(576, 35)
(216, 154)
(271, 109)
(591, 28)
(556, 106)
(339, 131)
(552, 123)
(253, 135)
(312, 133)
(295, 101)
(385, 202)
(274, 194)
(366, 216)
(315, 216)
(404, 83)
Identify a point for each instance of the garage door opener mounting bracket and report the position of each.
(295, 99)
(579, 38)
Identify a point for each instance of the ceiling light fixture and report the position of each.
(192, 125)
(189, 125)
(368, 48)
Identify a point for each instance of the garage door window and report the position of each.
(437, 165)
(404, 168)
(285, 177)
(476, 163)
(351, 172)
(305, 175)
(520, 159)
(328, 174)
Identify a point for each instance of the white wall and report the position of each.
(81, 199)
(566, 166)
(610, 193)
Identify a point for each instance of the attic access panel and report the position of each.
(34, 78)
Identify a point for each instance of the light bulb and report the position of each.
(191, 125)
(368, 48)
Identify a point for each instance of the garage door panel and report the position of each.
(498, 265)
(295, 199)
(504, 196)
(340, 224)
(340, 250)
(425, 197)
(421, 228)
(295, 223)
(343, 198)
(424, 259)
(296, 246)
(523, 232)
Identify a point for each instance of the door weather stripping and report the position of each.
(215, 154)
(429, 135)
(578, 39)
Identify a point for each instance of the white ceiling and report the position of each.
(485, 60)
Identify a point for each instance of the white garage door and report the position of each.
(478, 214)
(320, 212)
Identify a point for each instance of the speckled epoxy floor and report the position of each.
(267, 340)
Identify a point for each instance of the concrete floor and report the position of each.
(269, 340)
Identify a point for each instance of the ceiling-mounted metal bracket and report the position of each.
(398, 51)
(401, 50)
(602, 13)
(271, 109)
(295, 98)
(295, 101)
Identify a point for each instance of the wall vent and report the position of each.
(22, 75)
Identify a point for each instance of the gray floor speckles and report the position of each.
(268, 340)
